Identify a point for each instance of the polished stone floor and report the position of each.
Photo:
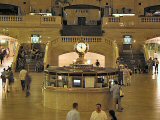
(141, 101)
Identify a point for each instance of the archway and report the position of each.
(8, 42)
(152, 10)
(5, 43)
(68, 58)
(8, 9)
(153, 47)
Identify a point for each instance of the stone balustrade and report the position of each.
(150, 19)
(72, 39)
(114, 19)
(11, 18)
(56, 20)
(78, 38)
(30, 20)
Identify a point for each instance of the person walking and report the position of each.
(1, 57)
(7, 85)
(156, 65)
(98, 114)
(3, 77)
(10, 77)
(129, 77)
(112, 115)
(125, 75)
(115, 89)
(22, 77)
(73, 114)
(150, 64)
(27, 84)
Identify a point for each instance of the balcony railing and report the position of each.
(150, 19)
(113, 19)
(74, 39)
(78, 38)
(30, 20)
(48, 19)
(11, 18)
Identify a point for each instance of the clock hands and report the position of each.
(80, 46)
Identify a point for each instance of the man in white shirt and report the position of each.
(98, 114)
(115, 89)
(73, 114)
(22, 77)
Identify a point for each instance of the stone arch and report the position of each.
(8, 42)
(152, 10)
(67, 58)
(8, 9)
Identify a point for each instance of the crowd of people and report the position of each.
(98, 114)
(125, 75)
(25, 56)
(7, 79)
(152, 63)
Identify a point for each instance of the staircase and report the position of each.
(77, 30)
(131, 59)
(29, 62)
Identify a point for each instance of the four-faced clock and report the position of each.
(81, 47)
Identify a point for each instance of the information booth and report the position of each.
(84, 84)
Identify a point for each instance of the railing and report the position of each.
(109, 42)
(113, 19)
(146, 53)
(72, 39)
(48, 19)
(11, 18)
(14, 63)
(46, 61)
(78, 38)
(150, 19)
(31, 20)
(51, 20)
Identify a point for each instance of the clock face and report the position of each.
(81, 47)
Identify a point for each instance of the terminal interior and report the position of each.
(59, 41)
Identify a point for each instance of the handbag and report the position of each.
(121, 93)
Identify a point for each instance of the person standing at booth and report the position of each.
(97, 63)
(73, 114)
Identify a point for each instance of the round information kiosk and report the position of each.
(85, 84)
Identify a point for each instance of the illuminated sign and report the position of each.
(35, 38)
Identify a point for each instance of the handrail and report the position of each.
(48, 45)
(146, 53)
(14, 63)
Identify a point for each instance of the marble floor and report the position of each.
(141, 101)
